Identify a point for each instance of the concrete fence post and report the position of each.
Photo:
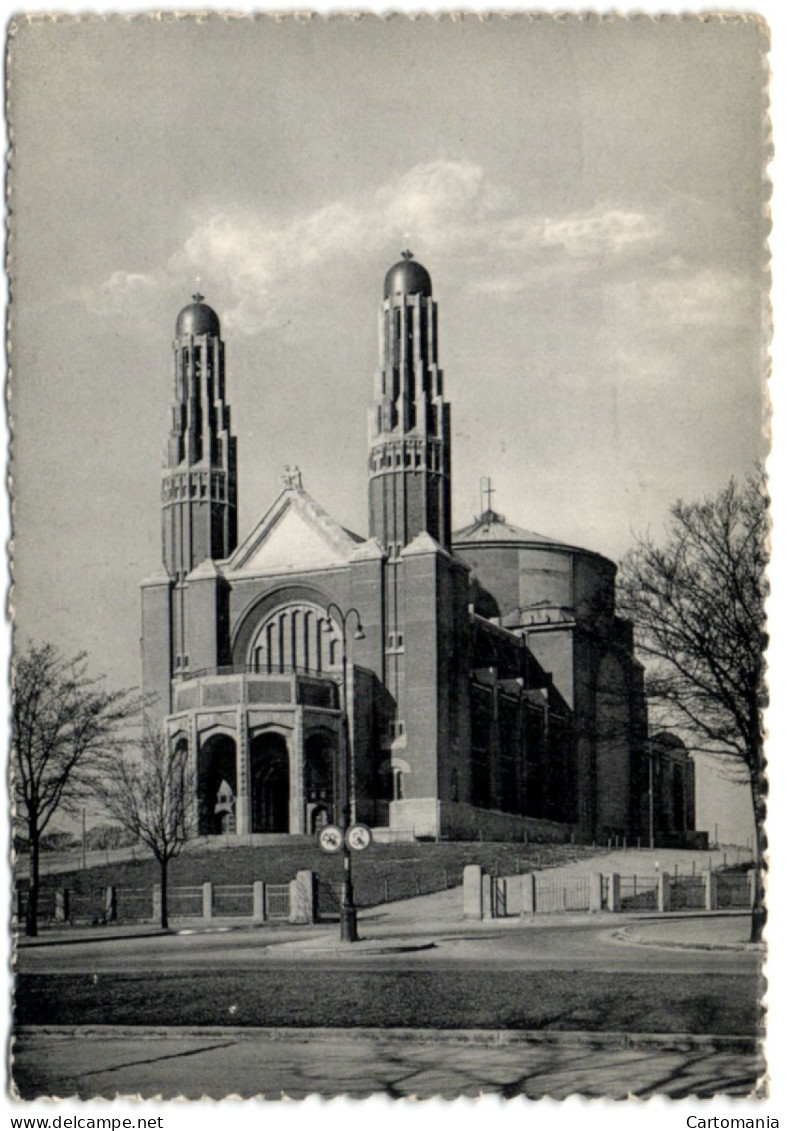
(258, 913)
(711, 891)
(529, 904)
(156, 903)
(301, 891)
(473, 892)
(62, 905)
(595, 880)
(208, 903)
(664, 892)
(613, 897)
(110, 904)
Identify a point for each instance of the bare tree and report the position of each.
(151, 795)
(65, 730)
(698, 608)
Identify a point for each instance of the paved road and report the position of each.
(220, 1063)
(583, 942)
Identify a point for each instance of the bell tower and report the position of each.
(199, 478)
(409, 463)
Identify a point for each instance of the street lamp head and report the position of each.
(328, 627)
(359, 633)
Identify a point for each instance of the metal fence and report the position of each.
(569, 893)
(638, 893)
(87, 906)
(277, 901)
(233, 899)
(46, 904)
(134, 903)
(687, 893)
(183, 903)
(734, 890)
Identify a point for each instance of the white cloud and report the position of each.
(261, 263)
(602, 232)
(686, 297)
(122, 292)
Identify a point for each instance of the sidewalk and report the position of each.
(94, 1063)
(729, 931)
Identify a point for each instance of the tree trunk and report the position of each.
(31, 916)
(759, 910)
(163, 881)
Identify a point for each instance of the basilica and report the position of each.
(426, 682)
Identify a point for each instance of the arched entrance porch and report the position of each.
(217, 786)
(271, 783)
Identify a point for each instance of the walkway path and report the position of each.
(229, 1062)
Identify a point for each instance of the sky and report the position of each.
(588, 195)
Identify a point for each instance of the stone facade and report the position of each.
(491, 689)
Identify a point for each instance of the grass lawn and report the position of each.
(710, 1004)
(383, 872)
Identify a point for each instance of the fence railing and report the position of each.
(294, 901)
(638, 893)
(134, 903)
(185, 902)
(487, 895)
(277, 901)
(234, 899)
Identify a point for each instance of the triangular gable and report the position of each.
(295, 533)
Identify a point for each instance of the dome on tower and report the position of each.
(197, 318)
(407, 277)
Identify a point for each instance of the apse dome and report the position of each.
(196, 319)
(407, 277)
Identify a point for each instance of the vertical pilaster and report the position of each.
(296, 806)
(243, 815)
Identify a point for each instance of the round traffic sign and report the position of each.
(330, 839)
(358, 837)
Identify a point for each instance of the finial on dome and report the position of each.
(407, 277)
(197, 297)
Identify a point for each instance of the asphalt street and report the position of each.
(586, 943)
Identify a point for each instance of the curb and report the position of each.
(572, 1038)
(626, 934)
(23, 943)
(308, 948)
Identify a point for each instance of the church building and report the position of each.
(423, 682)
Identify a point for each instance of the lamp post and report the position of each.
(651, 795)
(348, 911)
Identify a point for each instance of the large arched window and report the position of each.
(295, 638)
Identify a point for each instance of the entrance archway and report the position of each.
(271, 783)
(217, 786)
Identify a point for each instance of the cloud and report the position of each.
(684, 296)
(263, 264)
(123, 292)
(602, 232)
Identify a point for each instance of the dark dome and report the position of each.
(408, 277)
(196, 319)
